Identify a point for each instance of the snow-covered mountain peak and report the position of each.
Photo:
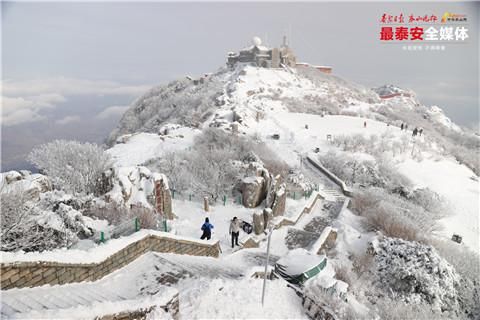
(238, 97)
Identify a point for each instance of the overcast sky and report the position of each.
(71, 69)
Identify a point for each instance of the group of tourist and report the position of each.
(415, 132)
(234, 229)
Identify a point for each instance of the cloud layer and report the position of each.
(26, 101)
(68, 120)
(112, 112)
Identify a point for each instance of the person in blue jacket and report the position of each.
(207, 230)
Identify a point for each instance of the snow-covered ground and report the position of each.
(306, 140)
(140, 147)
(454, 183)
(191, 216)
(240, 299)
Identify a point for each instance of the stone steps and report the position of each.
(48, 300)
(334, 194)
(130, 285)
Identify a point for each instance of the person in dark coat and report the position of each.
(364, 124)
(420, 131)
(207, 230)
(235, 230)
(414, 132)
(401, 127)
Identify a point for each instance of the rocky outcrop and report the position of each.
(252, 191)
(259, 185)
(135, 186)
(31, 185)
(12, 176)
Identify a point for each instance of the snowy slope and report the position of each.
(137, 148)
(454, 182)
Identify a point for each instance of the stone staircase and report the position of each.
(334, 194)
(135, 289)
(118, 292)
(62, 297)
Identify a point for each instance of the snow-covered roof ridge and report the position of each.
(93, 255)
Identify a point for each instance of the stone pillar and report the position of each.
(258, 223)
(278, 206)
(206, 207)
(234, 127)
(159, 186)
(163, 200)
(267, 216)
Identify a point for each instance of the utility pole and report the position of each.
(270, 231)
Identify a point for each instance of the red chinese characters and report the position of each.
(386, 33)
(416, 33)
(425, 18)
(401, 33)
(388, 18)
(400, 18)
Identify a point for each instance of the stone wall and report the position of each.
(33, 274)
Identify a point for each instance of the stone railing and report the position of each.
(38, 273)
(345, 189)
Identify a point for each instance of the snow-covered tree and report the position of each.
(183, 102)
(209, 167)
(73, 166)
(396, 216)
(20, 231)
(416, 273)
(379, 173)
